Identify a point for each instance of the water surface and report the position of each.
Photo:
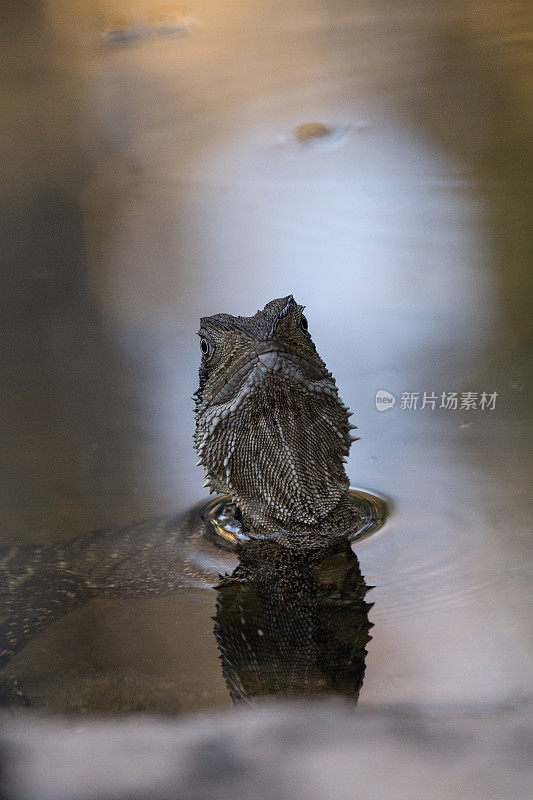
(161, 178)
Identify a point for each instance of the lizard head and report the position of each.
(271, 430)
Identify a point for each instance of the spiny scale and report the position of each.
(266, 397)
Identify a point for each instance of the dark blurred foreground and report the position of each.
(274, 752)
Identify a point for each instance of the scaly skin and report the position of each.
(294, 625)
(39, 584)
(272, 433)
(271, 430)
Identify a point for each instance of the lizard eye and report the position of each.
(303, 323)
(206, 347)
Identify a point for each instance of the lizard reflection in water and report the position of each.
(295, 626)
(273, 435)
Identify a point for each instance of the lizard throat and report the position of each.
(279, 452)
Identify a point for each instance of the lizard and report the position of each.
(272, 434)
(293, 625)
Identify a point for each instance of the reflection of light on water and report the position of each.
(379, 229)
(371, 236)
(375, 231)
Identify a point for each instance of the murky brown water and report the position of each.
(166, 177)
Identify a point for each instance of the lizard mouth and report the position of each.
(276, 363)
